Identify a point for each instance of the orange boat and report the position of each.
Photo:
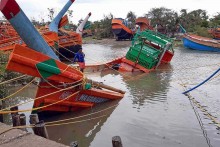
(215, 32)
(143, 23)
(65, 43)
(149, 50)
(6, 31)
(62, 88)
(121, 30)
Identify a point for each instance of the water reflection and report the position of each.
(153, 112)
(82, 132)
(151, 87)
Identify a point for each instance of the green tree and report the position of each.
(131, 17)
(51, 13)
(163, 17)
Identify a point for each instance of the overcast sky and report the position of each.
(119, 8)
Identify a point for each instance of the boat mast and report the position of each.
(55, 23)
(25, 28)
(79, 30)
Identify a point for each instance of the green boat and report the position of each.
(149, 49)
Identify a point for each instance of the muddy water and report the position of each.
(153, 112)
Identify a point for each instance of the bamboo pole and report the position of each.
(101, 85)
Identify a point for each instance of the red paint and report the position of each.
(73, 103)
(72, 1)
(9, 8)
(167, 57)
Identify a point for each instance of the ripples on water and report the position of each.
(153, 112)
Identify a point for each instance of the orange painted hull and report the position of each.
(117, 24)
(84, 99)
(25, 61)
(144, 23)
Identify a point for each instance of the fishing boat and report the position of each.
(64, 42)
(143, 23)
(196, 42)
(215, 32)
(62, 88)
(149, 50)
(121, 30)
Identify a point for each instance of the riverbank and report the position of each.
(14, 137)
(113, 42)
(106, 41)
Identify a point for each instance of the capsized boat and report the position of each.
(143, 23)
(196, 42)
(121, 30)
(71, 91)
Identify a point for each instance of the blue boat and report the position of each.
(201, 43)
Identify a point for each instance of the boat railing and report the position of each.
(205, 40)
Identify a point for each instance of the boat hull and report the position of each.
(68, 52)
(83, 99)
(122, 34)
(120, 30)
(198, 46)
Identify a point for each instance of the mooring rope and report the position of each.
(82, 115)
(194, 102)
(21, 89)
(37, 108)
(11, 80)
(88, 58)
(52, 125)
(3, 110)
(185, 92)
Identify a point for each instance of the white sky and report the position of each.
(119, 8)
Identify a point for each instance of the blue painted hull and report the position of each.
(122, 34)
(196, 46)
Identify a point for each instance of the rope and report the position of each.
(198, 105)
(88, 58)
(32, 126)
(18, 90)
(11, 80)
(202, 82)
(75, 121)
(81, 115)
(194, 102)
(201, 124)
(39, 97)
(37, 108)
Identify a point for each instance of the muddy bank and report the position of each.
(113, 42)
(108, 41)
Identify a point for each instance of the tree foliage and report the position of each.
(103, 28)
(131, 17)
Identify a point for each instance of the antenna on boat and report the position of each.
(79, 30)
(14, 14)
(55, 23)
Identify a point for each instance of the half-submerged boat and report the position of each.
(121, 30)
(196, 42)
(62, 87)
(149, 49)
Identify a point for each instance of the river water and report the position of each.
(153, 112)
